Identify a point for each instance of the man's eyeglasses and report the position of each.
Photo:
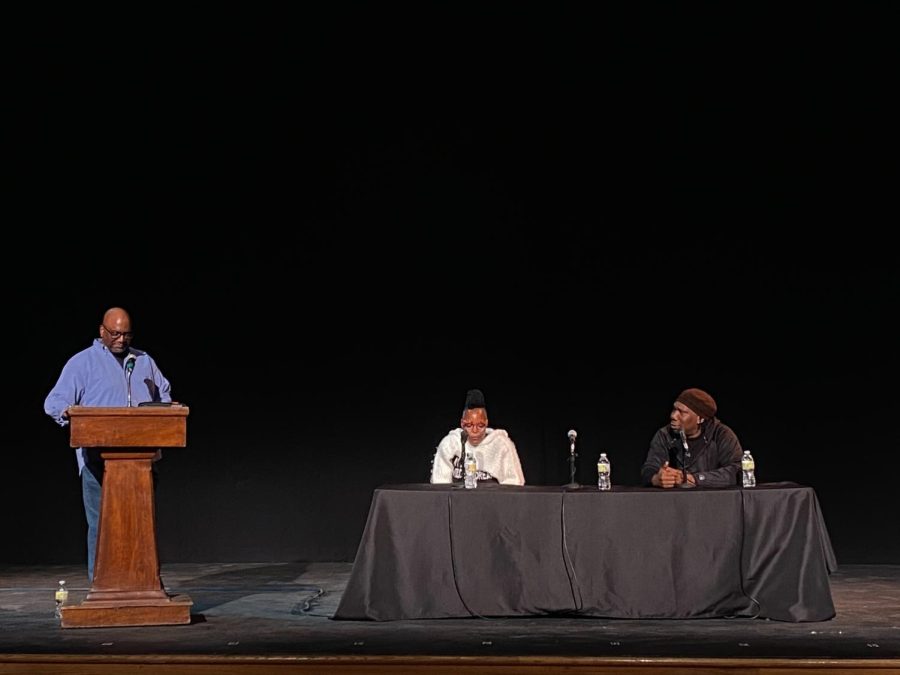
(115, 335)
(468, 426)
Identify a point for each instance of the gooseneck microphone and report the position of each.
(463, 437)
(129, 367)
(572, 455)
(685, 455)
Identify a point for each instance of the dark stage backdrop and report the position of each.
(328, 227)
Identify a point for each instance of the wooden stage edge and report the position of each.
(52, 664)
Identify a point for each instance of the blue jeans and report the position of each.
(90, 493)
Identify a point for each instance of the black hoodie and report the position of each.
(714, 458)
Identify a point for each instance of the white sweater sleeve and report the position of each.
(497, 455)
(442, 466)
(511, 467)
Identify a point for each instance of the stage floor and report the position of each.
(284, 609)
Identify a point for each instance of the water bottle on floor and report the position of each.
(62, 597)
(748, 470)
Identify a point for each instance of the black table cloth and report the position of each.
(438, 551)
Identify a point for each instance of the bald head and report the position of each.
(115, 330)
(115, 314)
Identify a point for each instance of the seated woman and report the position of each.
(493, 448)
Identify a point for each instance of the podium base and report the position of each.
(99, 614)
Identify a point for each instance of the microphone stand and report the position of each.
(572, 456)
(463, 437)
(684, 451)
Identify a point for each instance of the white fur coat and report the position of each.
(496, 456)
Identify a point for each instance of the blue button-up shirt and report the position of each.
(95, 377)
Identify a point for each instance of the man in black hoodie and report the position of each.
(694, 448)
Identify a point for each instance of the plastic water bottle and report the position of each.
(471, 468)
(62, 597)
(604, 472)
(748, 470)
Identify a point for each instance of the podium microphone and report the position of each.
(572, 455)
(129, 367)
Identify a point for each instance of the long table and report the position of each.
(438, 551)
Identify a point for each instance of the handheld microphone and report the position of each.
(572, 436)
(129, 367)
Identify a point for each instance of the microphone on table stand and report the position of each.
(463, 437)
(572, 455)
(685, 455)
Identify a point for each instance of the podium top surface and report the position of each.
(174, 410)
(142, 426)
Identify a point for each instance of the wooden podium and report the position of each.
(126, 589)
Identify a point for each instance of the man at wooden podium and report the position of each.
(108, 373)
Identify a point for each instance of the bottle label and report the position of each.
(748, 464)
(62, 595)
(603, 468)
